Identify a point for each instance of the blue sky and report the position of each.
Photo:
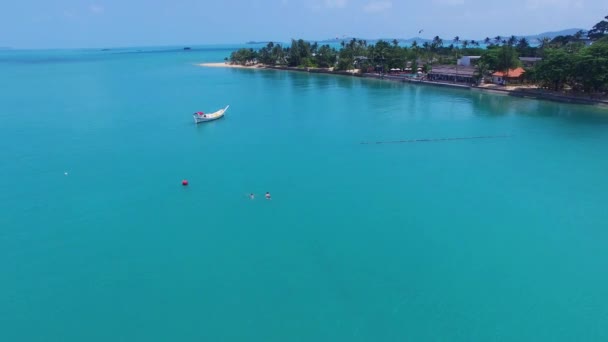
(110, 23)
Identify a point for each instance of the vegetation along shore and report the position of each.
(572, 68)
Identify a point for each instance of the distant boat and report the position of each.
(202, 117)
(187, 48)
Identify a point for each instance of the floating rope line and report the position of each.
(435, 140)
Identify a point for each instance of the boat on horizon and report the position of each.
(202, 117)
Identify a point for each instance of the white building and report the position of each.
(468, 60)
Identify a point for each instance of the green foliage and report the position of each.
(299, 52)
(278, 54)
(350, 52)
(599, 30)
(567, 62)
(556, 69)
(602, 40)
(243, 56)
(482, 70)
(472, 51)
(524, 49)
(585, 68)
(414, 66)
(265, 54)
(326, 57)
(530, 75)
(591, 66)
(307, 63)
(500, 58)
(437, 43)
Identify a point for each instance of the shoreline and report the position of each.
(226, 65)
(521, 92)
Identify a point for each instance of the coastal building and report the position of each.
(409, 67)
(511, 76)
(468, 60)
(453, 74)
(530, 61)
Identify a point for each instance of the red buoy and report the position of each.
(185, 182)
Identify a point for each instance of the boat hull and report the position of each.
(209, 117)
(198, 119)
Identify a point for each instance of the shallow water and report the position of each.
(458, 240)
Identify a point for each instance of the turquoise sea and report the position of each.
(458, 240)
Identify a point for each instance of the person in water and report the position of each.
(267, 195)
(251, 196)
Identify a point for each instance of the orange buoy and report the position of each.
(185, 182)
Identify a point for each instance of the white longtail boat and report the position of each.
(202, 117)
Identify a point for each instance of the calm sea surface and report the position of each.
(457, 240)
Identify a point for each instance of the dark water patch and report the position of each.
(436, 140)
(52, 57)
(48, 60)
(175, 50)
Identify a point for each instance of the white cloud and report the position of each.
(449, 2)
(97, 9)
(377, 6)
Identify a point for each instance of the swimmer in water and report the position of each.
(267, 195)
(251, 196)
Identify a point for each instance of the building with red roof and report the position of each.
(513, 75)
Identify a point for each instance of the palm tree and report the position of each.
(543, 44)
(314, 48)
(395, 42)
(427, 49)
(437, 43)
(416, 48)
(512, 40)
(497, 40)
(480, 71)
(456, 40)
(579, 34)
(522, 44)
(487, 41)
(352, 43)
(278, 54)
(599, 30)
(465, 44)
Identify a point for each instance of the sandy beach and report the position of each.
(227, 65)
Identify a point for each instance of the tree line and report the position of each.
(567, 61)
